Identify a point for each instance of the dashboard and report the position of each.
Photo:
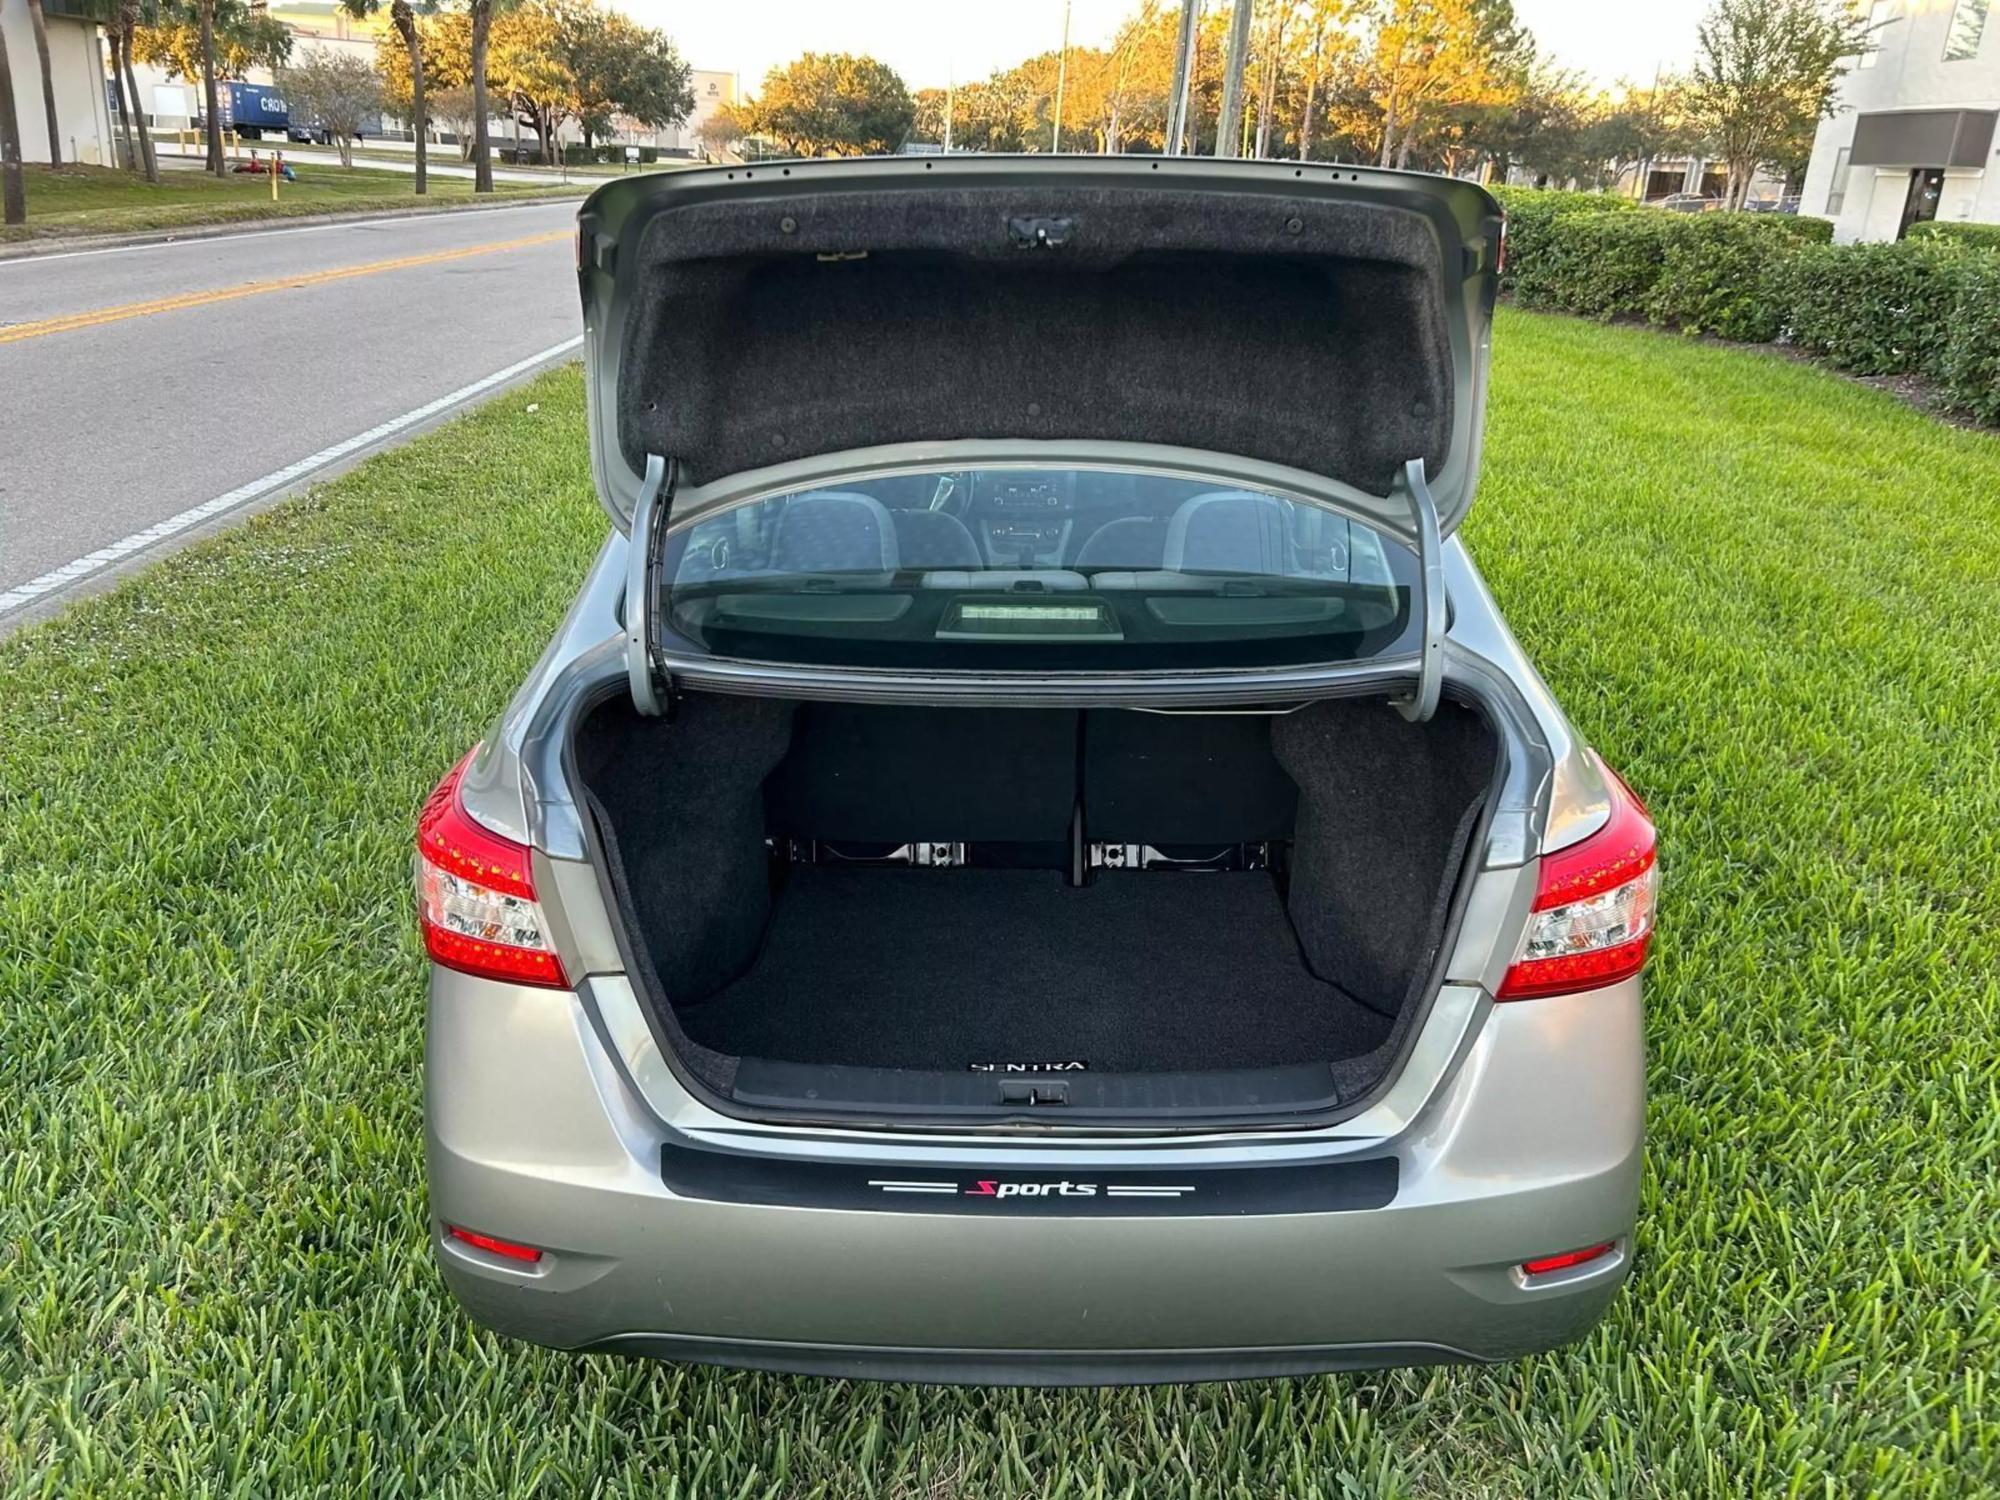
(1022, 518)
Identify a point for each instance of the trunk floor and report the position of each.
(938, 969)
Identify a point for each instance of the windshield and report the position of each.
(1010, 568)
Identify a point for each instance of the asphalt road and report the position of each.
(143, 383)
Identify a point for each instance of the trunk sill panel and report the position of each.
(1345, 1186)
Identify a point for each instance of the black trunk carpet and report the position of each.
(1137, 972)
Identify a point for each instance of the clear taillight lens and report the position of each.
(1593, 914)
(476, 896)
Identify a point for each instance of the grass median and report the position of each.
(1767, 594)
(95, 200)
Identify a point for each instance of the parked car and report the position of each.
(1689, 203)
(1034, 856)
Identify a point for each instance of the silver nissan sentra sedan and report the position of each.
(1034, 857)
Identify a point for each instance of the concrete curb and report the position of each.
(70, 244)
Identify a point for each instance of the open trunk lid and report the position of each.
(1315, 331)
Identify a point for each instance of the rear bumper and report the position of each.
(1532, 1146)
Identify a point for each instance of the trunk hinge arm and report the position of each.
(1423, 699)
(652, 690)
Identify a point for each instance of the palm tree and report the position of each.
(403, 16)
(211, 101)
(129, 21)
(41, 27)
(482, 148)
(13, 189)
(482, 13)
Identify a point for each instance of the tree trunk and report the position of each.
(1312, 88)
(413, 43)
(41, 27)
(482, 148)
(148, 158)
(13, 183)
(1388, 135)
(114, 34)
(1267, 96)
(211, 97)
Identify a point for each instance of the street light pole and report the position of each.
(1062, 77)
(1229, 122)
(1177, 104)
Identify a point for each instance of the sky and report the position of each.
(930, 41)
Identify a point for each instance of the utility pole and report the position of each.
(1229, 121)
(1177, 103)
(1062, 77)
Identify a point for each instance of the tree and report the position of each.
(479, 41)
(39, 23)
(725, 126)
(1642, 126)
(1433, 60)
(1764, 77)
(334, 92)
(145, 158)
(13, 181)
(452, 108)
(208, 39)
(403, 17)
(834, 102)
(619, 68)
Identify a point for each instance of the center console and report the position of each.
(1023, 518)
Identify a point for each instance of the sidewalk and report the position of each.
(416, 208)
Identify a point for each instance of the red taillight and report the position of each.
(1568, 1258)
(494, 1246)
(1593, 914)
(476, 896)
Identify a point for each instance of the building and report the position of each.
(1913, 138)
(173, 104)
(76, 59)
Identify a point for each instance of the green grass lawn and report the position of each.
(1769, 595)
(96, 200)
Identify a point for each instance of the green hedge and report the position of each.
(1720, 273)
(1700, 273)
(1928, 306)
(1987, 235)
(1875, 309)
(1969, 367)
(1531, 217)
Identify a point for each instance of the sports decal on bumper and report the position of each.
(1313, 1187)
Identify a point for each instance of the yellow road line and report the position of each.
(118, 314)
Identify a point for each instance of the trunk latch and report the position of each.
(1038, 233)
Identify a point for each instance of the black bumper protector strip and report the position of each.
(1081, 1192)
(1039, 1367)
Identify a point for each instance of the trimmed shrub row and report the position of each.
(1969, 234)
(1928, 306)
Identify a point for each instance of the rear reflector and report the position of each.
(476, 896)
(494, 1246)
(1592, 920)
(1568, 1258)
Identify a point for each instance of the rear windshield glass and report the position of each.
(1022, 569)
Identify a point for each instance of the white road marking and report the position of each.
(23, 594)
